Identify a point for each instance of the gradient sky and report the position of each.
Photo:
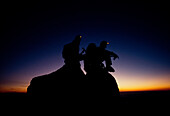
(34, 34)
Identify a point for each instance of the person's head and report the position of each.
(91, 48)
(103, 44)
(77, 39)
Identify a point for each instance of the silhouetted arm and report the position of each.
(112, 54)
(83, 51)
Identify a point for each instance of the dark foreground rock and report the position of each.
(62, 83)
(70, 86)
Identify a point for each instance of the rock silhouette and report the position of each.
(69, 83)
(61, 83)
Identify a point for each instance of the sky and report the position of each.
(33, 36)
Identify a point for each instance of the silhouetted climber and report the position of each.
(71, 52)
(91, 58)
(101, 84)
(106, 55)
(72, 57)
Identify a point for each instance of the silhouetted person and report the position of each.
(70, 52)
(100, 84)
(72, 57)
(91, 58)
(106, 55)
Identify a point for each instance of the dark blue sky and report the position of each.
(34, 34)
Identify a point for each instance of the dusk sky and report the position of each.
(33, 36)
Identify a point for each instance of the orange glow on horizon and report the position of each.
(122, 89)
(5, 88)
(24, 89)
(144, 89)
(13, 90)
(126, 82)
(136, 82)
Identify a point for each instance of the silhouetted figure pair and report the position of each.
(69, 83)
(96, 55)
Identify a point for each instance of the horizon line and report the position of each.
(1, 92)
